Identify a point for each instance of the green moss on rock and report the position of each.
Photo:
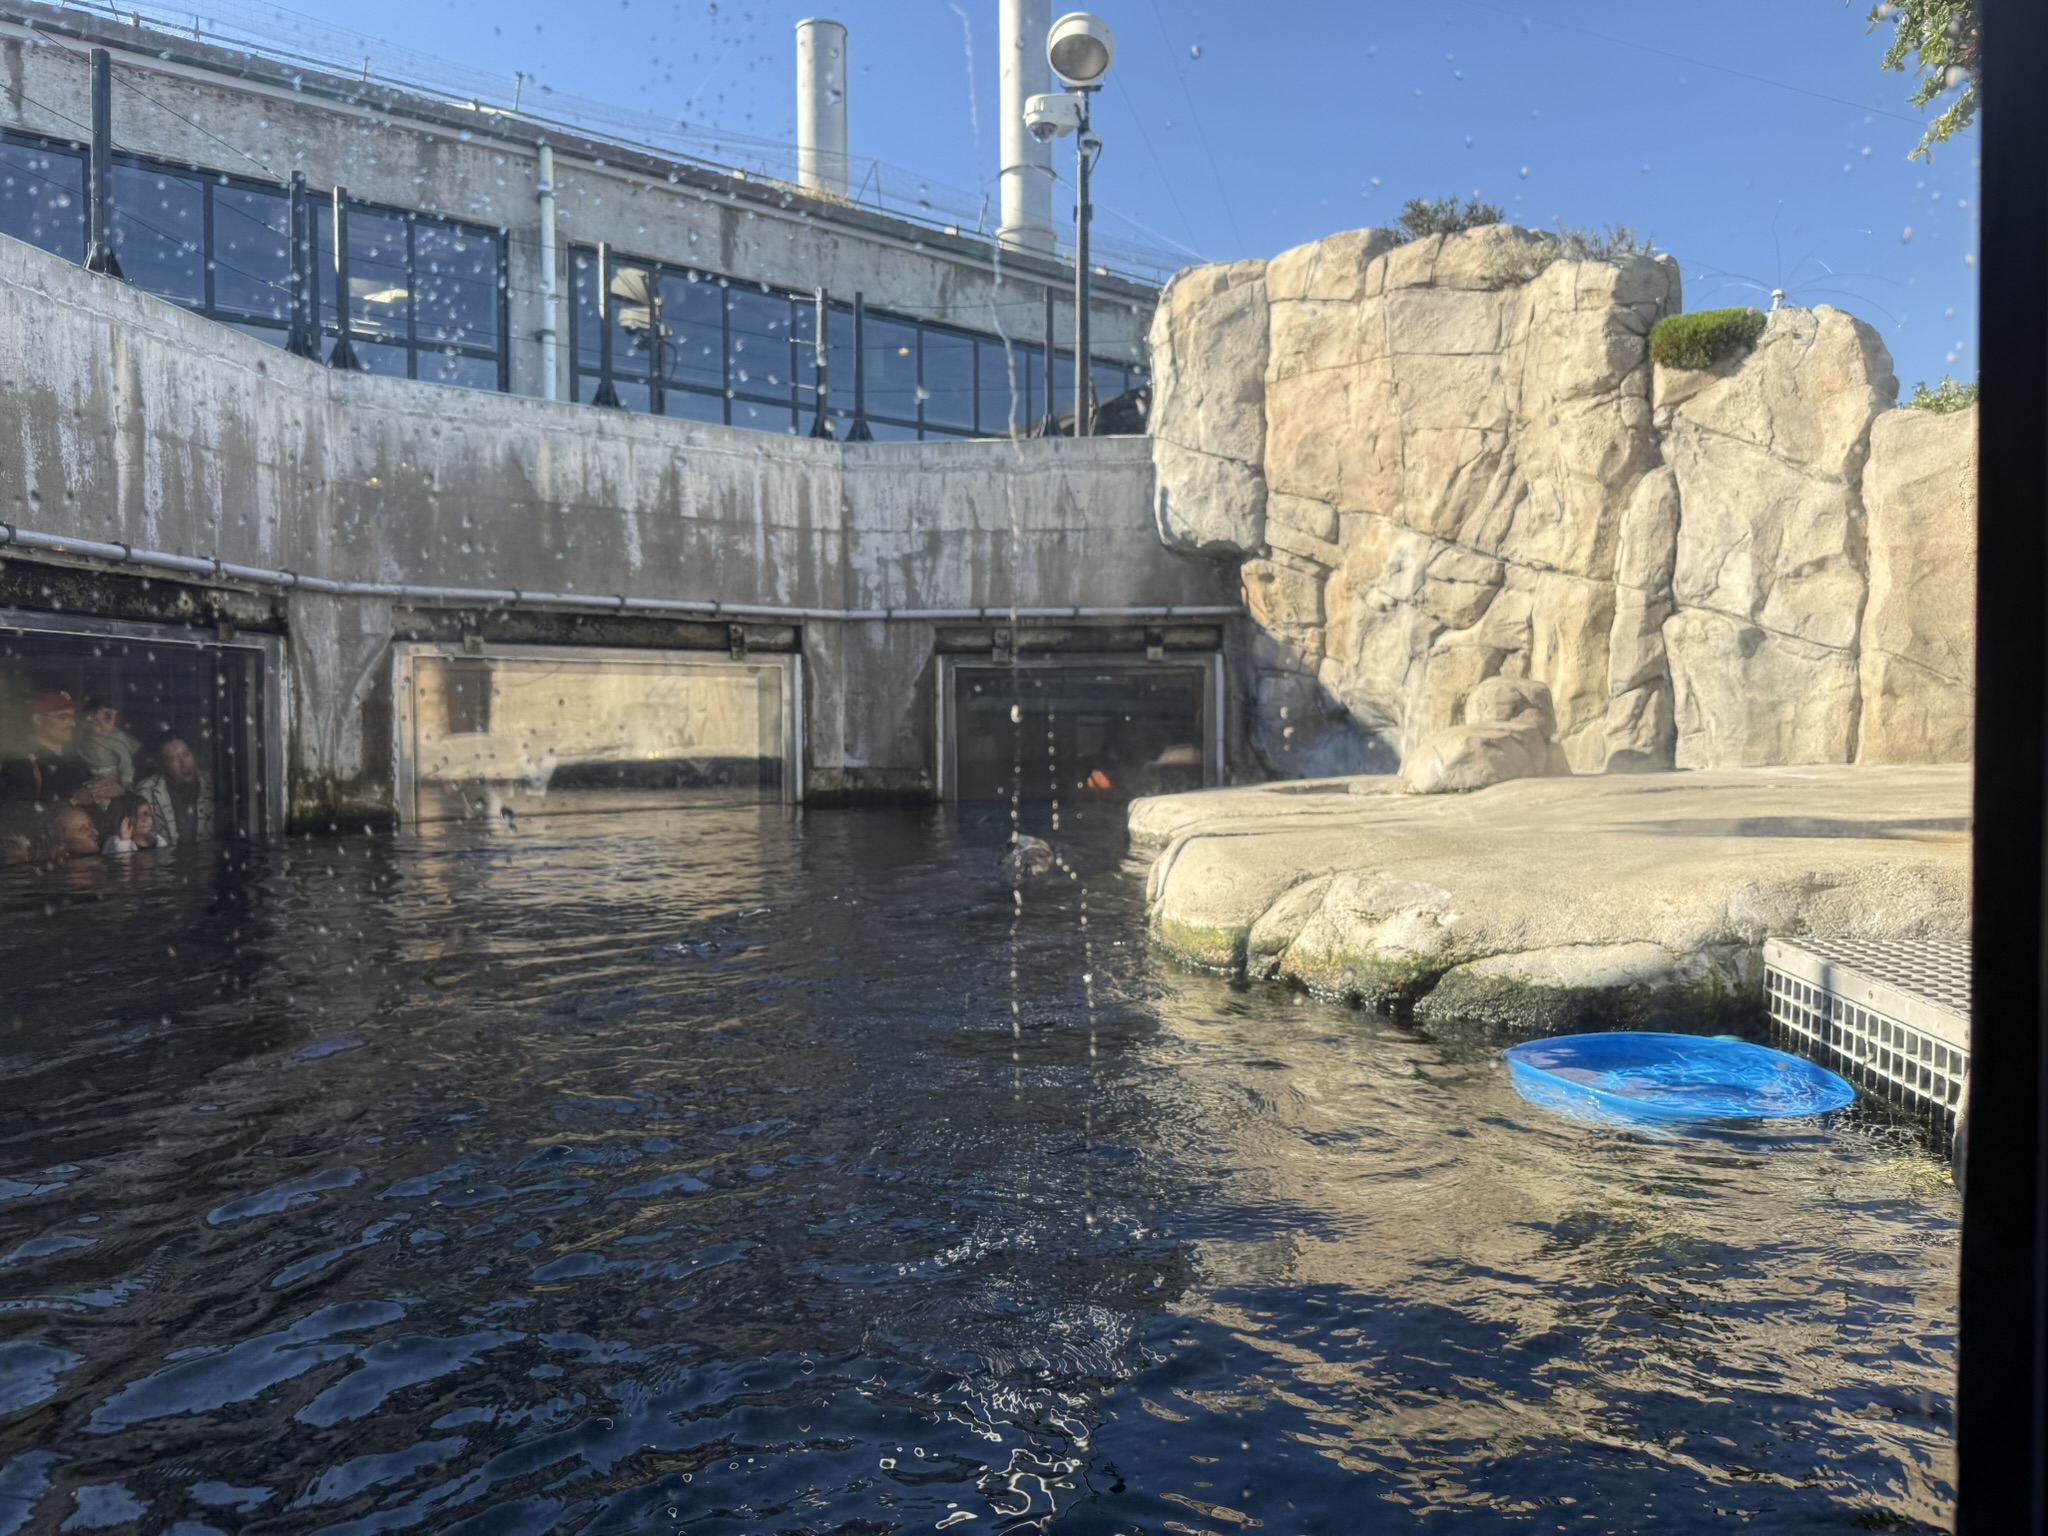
(1703, 338)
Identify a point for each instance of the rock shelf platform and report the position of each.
(1548, 903)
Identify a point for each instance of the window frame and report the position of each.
(209, 180)
(988, 421)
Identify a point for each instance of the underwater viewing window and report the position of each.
(544, 729)
(1081, 728)
(99, 719)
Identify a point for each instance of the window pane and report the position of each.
(459, 370)
(1006, 375)
(763, 416)
(1109, 382)
(252, 252)
(382, 359)
(583, 300)
(380, 291)
(632, 320)
(892, 432)
(804, 354)
(693, 352)
(42, 198)
(948, 379)
(693, 405)
(159, 232)
(1063, 385)
(892, 368)
(760, 343)
(840, 336)
(455, 284)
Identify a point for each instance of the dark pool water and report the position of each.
(693, 1173)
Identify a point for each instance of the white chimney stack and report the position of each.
(1027, 164)
(821, 156)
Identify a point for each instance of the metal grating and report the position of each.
(1892, 1017)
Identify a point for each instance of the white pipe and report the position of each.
(1027, 164)
(550, 355)
(12, 537)
(821, 153)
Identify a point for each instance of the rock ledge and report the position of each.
(1547, 903)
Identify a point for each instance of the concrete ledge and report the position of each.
(1546, 903)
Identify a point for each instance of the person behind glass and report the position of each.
(50, 771)
(128, 825)
(180, 796)
(103, 746)
(44, 835)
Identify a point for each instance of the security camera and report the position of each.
(1053, 116)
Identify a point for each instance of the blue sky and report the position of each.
(1756, 140)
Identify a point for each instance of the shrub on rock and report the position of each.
(1703, 338)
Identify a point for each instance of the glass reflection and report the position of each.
(585, 731)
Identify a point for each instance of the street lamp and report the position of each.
(1079, 48)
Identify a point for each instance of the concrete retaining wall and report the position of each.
(124, 418)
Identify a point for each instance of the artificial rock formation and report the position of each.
(1919, 631)
(1510, 732)
(1553, 903)
(1769, 453)
(1452, 461)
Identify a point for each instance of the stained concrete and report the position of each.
(124, 418)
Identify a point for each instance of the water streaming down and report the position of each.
(691, 1172)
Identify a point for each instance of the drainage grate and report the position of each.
(1892, 1017)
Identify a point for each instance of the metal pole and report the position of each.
(1049, 423)
(1026, 163)
(550, 351)
(344, 353)
(2002, 1335)
(820, 349)
(1084, 376)
(860, 431)
(99, 249)
(305, 329)
(607, 393)
(822, 161)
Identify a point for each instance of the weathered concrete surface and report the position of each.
(124, 418)
(1548, 900)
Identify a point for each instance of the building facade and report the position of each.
(717, 276)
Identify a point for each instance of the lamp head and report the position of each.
(1079, 48)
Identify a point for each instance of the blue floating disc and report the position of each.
(1633, 1077)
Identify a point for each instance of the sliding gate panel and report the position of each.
(545, 729)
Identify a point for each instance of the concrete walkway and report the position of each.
(1544, 903)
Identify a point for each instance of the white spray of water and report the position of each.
(973, 108)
